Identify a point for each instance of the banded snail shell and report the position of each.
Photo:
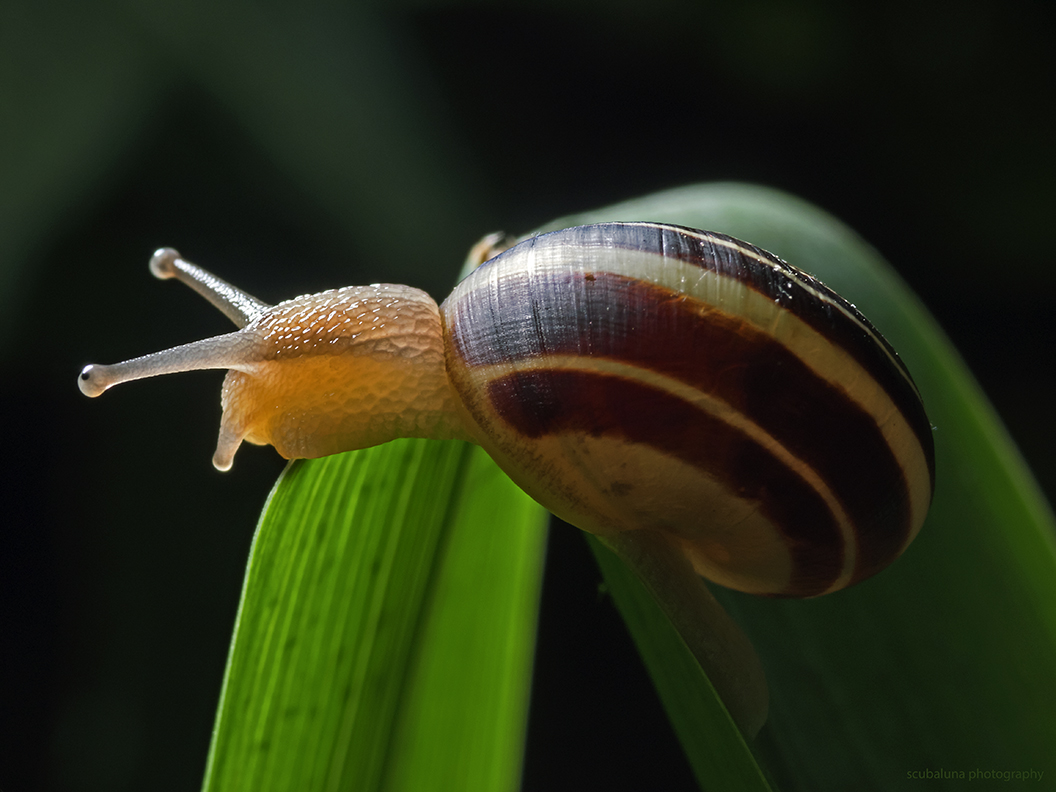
(641, 375)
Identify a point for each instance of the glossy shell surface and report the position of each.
(641, 375)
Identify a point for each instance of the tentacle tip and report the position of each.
(91, 380)
(226, 446)
(163, 263)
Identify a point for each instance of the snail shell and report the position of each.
(632, 375)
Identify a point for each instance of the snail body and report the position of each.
(700, 405)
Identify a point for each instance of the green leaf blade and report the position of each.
(479, 633)
(339, 594)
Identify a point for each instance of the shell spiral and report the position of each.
(641, 375)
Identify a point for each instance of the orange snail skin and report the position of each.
(700, 405)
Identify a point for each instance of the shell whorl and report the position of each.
(632, 375)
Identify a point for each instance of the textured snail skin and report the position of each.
(386, 339)
(701, 406)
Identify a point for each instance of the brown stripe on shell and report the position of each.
(790, 288)
(833, 317)
(546, 402)
(601, 315)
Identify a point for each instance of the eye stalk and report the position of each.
(219, 353)
(235, 304)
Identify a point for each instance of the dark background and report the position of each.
(293, 150)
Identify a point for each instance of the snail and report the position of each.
(701, 406)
